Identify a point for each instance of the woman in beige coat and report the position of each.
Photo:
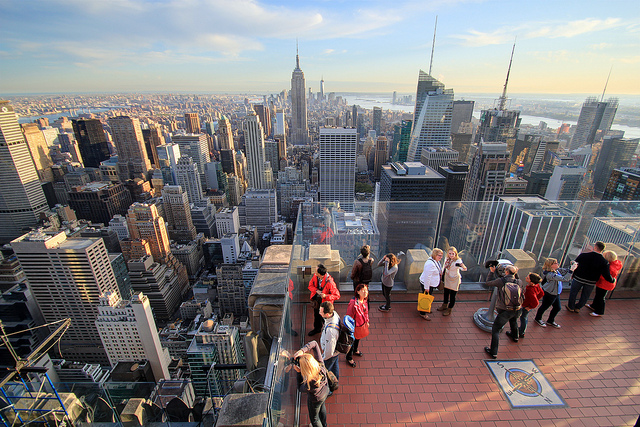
(452, 280)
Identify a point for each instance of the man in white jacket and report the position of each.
(329, 337)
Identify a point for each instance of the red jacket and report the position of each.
(359, 312)
(329, 288)
(532, 295)
(614, 269)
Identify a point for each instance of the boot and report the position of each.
(447, 312)
(443, 307)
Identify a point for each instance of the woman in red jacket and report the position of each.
(602, 286)
(358, 309)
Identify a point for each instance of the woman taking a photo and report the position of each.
(390, 263)
(358, 309)
(452, 279)
(313, 379)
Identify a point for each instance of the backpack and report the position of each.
(345, 334)
(513, 295)
(366, 273)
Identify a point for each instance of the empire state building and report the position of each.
(299, 129)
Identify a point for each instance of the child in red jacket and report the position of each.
(532, 294)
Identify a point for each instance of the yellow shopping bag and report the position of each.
(424, 302)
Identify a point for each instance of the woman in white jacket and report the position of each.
(431, 274)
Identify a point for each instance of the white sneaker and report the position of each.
(594, 314)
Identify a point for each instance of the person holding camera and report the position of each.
(313, 379)
(452, 279)
(390, 262)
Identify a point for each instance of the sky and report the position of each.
(67, 46)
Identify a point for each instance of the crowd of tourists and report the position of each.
(317, 364)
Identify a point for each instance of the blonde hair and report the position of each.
(435, 252)
(548, 263)
(455, 251)
(610, 256)
(309, 368)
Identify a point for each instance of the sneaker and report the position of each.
(425, 317)
(589, 307)
(554, 324)
(541, 323)
(594, 314)
(384, 308)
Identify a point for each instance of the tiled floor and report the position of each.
(417, 373)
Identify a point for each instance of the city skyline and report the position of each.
(137, 45)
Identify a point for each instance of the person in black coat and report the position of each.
(590, 266)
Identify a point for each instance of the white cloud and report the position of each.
(533, 30)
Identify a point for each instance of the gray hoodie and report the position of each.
(329, 336)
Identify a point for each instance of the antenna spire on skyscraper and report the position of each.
(433, 45)
(297, 57)
(606, 83)
(503, 98)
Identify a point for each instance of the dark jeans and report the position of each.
(524, 320)
(449, 297)
(598, 301)
(502, 318)
(318, 321)
(549, 300)
(386, 292)
(354, 348)
(317, 413)
(332, 365)
(576, 286)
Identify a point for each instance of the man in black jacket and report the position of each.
(591, 265)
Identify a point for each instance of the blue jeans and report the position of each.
(502, 318)
(332, 365)
(524, 320)
(577, 286)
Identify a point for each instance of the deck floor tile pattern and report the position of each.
(417, 373)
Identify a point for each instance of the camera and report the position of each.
(295, 361)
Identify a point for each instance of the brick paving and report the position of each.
(417, 373)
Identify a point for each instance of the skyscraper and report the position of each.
(594, 116)
(39, 151)
(178, 214)
(624, 184)
(67, 277)
(196, 147)
(565, 182)
(299, 128)
(149, 236)
(192, 122)
(225, 134)
(92, 141)
(432, 116)
(382, 155)
(188, 177)
(487, 172)
(254, 146)
(128, 332)
(614, 153)
(264, 114)
(377, 120)
(461, 113)
(338, 148)
(132, 154)
(22, 199)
